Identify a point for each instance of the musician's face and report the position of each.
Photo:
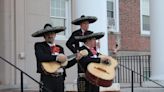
(93, 42)
(84, 25)
(50, 37)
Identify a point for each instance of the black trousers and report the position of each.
(85, 86)
(55, 84)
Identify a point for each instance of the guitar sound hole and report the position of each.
(102, 70)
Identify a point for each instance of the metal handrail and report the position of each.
(22, 72)
(132, 75)
(138, 63)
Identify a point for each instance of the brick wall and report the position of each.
(130, 37)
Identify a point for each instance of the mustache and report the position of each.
(50, 39)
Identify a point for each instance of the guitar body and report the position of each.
(50, 67)
(101, 74)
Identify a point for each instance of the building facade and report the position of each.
(132, 34)
(125, 22)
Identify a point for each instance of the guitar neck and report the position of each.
(71, 56)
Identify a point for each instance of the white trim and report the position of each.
(68, 21)
(116, 16)
(58, 17)
(143, 32)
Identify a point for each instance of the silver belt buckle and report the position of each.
(81, 74)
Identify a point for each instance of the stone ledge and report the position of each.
(151, 84)
(114, 88)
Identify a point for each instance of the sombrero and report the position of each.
(90, 19)
(89, 35)
(48, 28)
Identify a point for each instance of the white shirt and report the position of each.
(94, 56)
(81, 43)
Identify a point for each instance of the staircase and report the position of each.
(122, 89)
(141, 89)
(72, 87)
(126, 87)
(68, 87)
(16, 90)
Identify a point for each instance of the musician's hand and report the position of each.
(61, 58)
(78, 56)
(64, 64)
(83, 52)
(103, 58)
(105, 62)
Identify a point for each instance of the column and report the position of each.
(95, 8)
(157, 37)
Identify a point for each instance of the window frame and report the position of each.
(67, 20)
(143, 32)
(115, 16)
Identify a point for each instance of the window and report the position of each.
(110, 9)
(112, 15)
(60, 14)
(145, 17)
(146, 22)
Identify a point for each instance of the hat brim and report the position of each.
(90, 19)
(41, 32)
(94, 35)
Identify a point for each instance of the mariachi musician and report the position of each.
(48, 51)
(89, 39)
(84, 22)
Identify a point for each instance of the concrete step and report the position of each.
(69, 88)
(142, 89)
(146, 87)
(122, 87)
(15, 88)
(72, 87)
(12, 90)
(128, 85)
(136, 89)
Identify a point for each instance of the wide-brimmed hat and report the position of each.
(90, 19)
(89, 35)
(48, 28)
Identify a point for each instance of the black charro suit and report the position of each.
(43, 54)
(82, 67)
(72, 43)
(84, 61)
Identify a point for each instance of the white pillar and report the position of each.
(95, 8)
(157, 37)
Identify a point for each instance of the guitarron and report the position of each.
(101, 74)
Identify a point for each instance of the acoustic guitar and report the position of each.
(102, 74)
(52, 67)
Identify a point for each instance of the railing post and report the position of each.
(149, 65)
(118, 75)
(21, 81)
(140, 70)
(132, 84)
